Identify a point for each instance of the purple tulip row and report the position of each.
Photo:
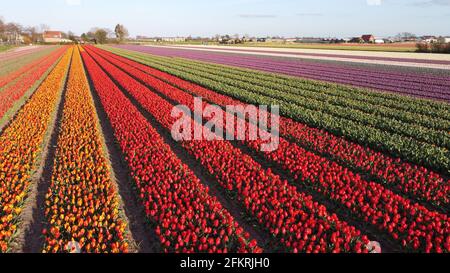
(425, 86)
(403, 60)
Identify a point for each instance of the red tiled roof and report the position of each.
(367, 37)
(52, 34)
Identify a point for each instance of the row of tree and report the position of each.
(433, 47)
(105, 35)
(14, 33)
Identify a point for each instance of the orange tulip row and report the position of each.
(81, 207)
(20, 148)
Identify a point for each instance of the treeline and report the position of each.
(433, 47)
(105, 35)
(14, 33)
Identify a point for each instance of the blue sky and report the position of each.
(331, 18)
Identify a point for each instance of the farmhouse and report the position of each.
(54, 37)
(429, 39)
(369, 38)
(13, 38)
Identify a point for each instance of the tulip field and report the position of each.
(88, 163)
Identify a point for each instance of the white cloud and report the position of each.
(374, 2)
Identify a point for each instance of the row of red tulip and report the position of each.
(10, 77)
(186, 217)
(415, 181)
(20, 147)
(81, 205)
(298, 223)
(14, 92)
(368, 200)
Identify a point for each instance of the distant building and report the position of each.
(13, 38)
(54, 37)
(380, 41)
(141, 38)
(369, 38)
(230, 41)
(275, 40)
(429, 39)
(173, 39)
(444, 40)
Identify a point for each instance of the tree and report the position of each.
(85, 37)
(2, 30)
(13, 27)
(43, 28)
(121, 32)
(71, 36)
(2, 26)
(101, 36)
(33, 34)
(406, 36)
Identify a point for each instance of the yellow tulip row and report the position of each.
(21, 145)
(82, 207)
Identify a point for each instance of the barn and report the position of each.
(54, 37)
(369, 38)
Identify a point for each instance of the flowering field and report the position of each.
(88, 130)
(424, 86)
